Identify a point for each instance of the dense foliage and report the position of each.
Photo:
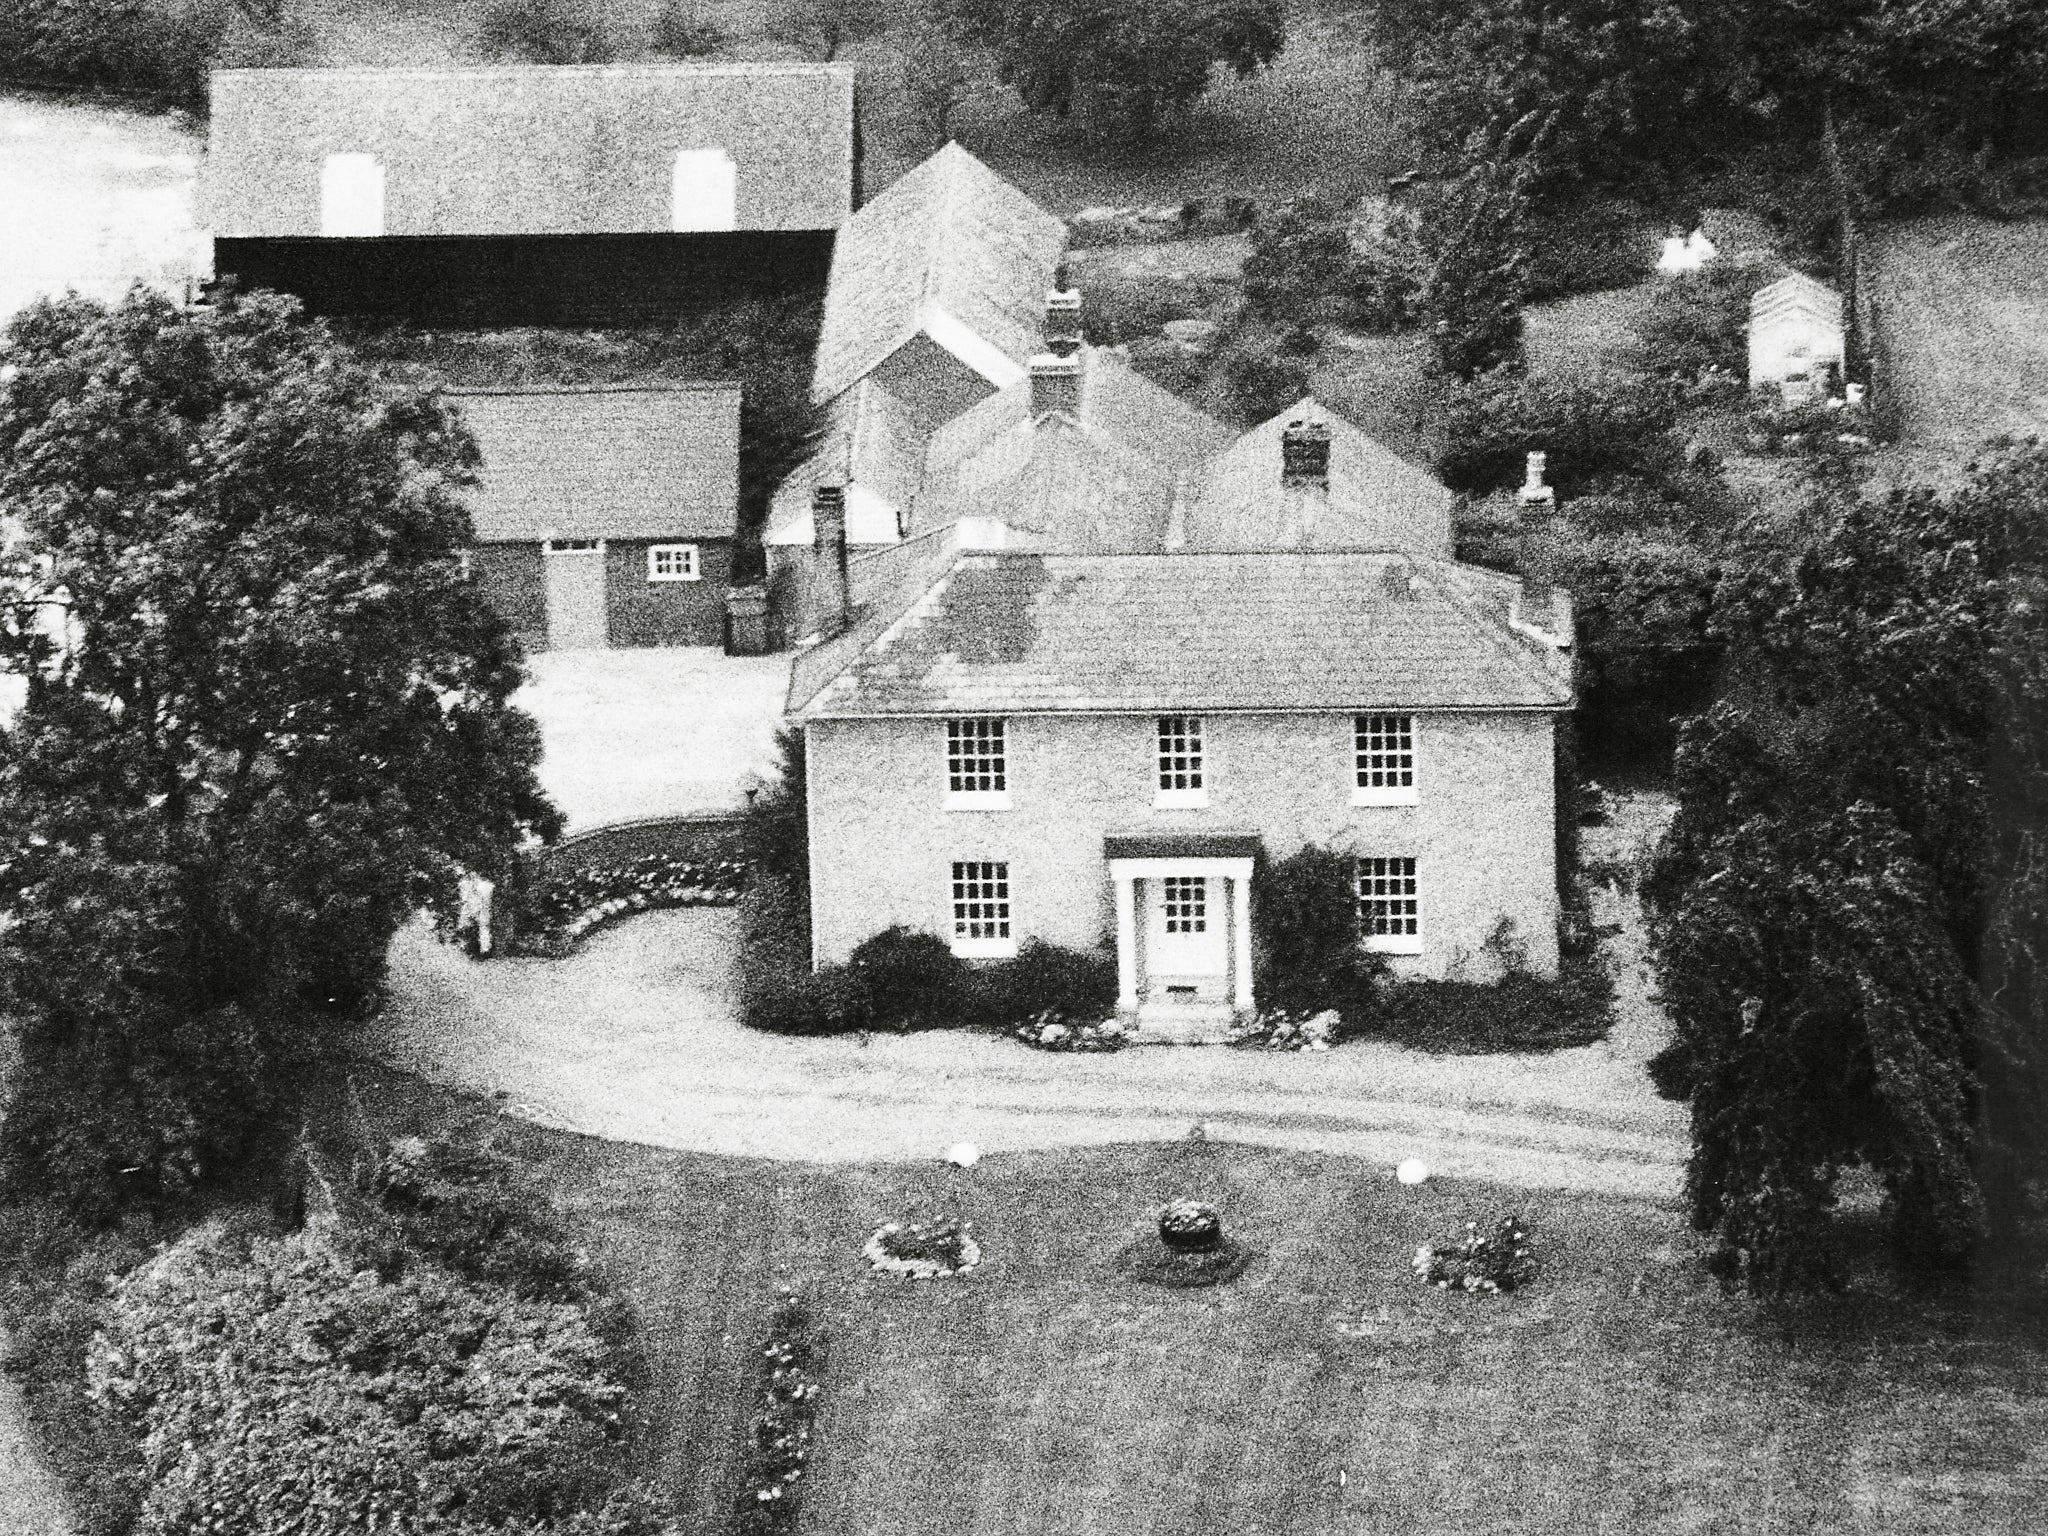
(161, 49)
(1474, 236)
(280, 724)
(1591, 433)
(546, 32)
(1121, 63)
(1305, 947)
(1852, 906)
(1305, 267)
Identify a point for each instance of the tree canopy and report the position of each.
(1127, 63)
(1851, 908)
(281, 723)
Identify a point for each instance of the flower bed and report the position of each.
(1276, 1029)
(923, 1250)
(781, 1441)
(1186, 1249)
(1492, 1263)
(563, 910)
(1052, 1030)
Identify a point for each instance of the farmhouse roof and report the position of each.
(1104, 477)
(595, 463)
(530, 150)
(1795, 296)
(874, 441)
(1375, 499)
(1025, 633)
(952, 236)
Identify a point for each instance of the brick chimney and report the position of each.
(1305, 454)
(1056, 385)
(828, 560)
(1063, 319)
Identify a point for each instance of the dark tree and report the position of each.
(829, 25)
(280, 724)
(1851, 906)
(1126, 63)
(1474, 235)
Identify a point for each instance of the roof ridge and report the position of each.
(820, 68)
(672, 387)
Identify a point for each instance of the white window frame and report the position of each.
(979, 896)
(1179, 751)
(351, 196)
(1384, 724)
(968, 757)
(688, 552)
(1403, 885)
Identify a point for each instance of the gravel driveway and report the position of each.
(633, 1039)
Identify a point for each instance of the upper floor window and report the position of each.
(977, 764)
(1388, 917)
(1183, 775)
(351, 196)
(672, 562)
(981, 908)
(1383, 756)
(703, 191)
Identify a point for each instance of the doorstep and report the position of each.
(1180, 1024)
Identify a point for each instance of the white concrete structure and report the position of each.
(1795, 336)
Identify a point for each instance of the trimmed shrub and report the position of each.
(1305, 933)
(1072, 985)
(1518, 1013)
(911, 979)
(831, 1001)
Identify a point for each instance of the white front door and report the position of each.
(1187, 954)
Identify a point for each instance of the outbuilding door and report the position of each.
(576, 609)
(1187, 952)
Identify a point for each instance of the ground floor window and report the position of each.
(672, 562)
(1388, 915)
(981, 907)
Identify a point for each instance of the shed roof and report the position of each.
(530, 150)
(1795, 296)
(595, 463)
(950, 233)
(1376, 499)
(1201, 632)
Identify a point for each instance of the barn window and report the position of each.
(704, 191)
(351, 196)
(672, 562)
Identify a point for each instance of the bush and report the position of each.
(830, 1001)
(277, 1387)
(1589, 246)
(1591, 432)
(1305, 934)
(678, 33)
(1492, 1263)
(1305, 268)
(1696, 325)
(546, 32)
(911, 979)
(1075, 986)
(1519, 1013)
(158, 48)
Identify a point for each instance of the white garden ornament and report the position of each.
(1413, 1171)
(963, 1154)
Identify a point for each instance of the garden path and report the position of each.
(634, 1039)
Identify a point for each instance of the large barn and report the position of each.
(529, 195)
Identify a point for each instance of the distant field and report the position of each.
(1964, 307)
(1322, 118)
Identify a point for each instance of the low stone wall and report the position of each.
(704, 838)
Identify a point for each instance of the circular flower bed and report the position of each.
(1489, 1263)
(1187, 1248)
(923, 1250)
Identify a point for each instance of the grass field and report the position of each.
(1964, 310)
(1323, 117)
(1324, 1392)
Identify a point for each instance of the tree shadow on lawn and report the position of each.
(1046, 1391)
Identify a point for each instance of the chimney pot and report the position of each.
(828, 558)
(1055, 385)
(1534, 492)
(1305, 454)
(1063, 320)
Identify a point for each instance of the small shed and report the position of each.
(1795, 336)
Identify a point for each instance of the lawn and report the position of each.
(1324, 1392)
(1963, 307)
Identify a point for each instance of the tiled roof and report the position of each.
(1797, 295)
(1137, 633)
(880, 586)
(1105, 478)
(950, 233)
(1376, 499)
(605, 463)
(530, 150)
(874, 442)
